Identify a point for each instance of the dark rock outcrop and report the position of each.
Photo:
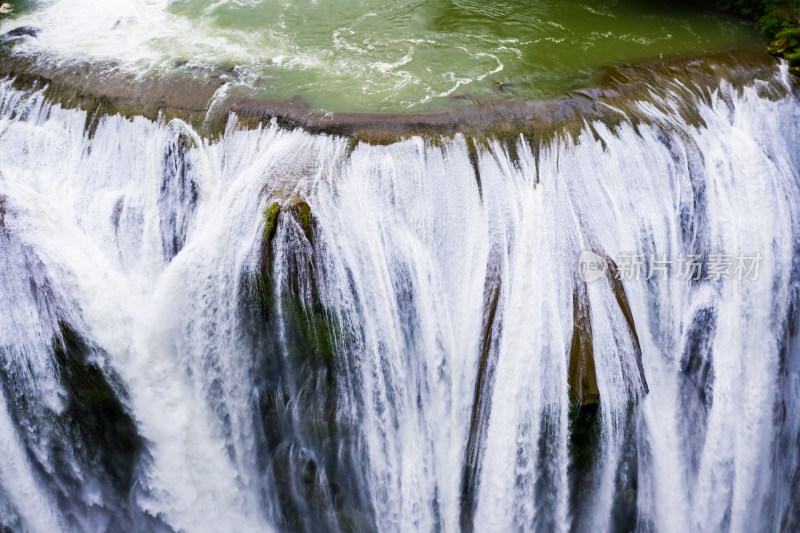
(309, 452)
(23, 31)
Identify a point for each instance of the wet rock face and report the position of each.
(72, 423)
(481, 404)
(308, 452)
(586, 440)
(90, 440)
(23, 31)
(585, 450)
(95, 415)
(179, 191)
(271, 221)
(582, 375)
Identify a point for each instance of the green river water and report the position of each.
(367, 55)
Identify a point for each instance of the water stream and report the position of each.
(276, 330)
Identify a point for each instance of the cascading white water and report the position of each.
(449, 299)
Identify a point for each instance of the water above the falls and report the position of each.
(390, 347)
(368, 55)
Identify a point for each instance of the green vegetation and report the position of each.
(779, 21)
(271, 220)
(311, 333)
(305, 217)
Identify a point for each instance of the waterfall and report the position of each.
(279, 330)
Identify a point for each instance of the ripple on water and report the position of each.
(368, 55)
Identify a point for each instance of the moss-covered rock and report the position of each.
(304, 211)
(314, 328)
(271, 220)
(298, 209)
(308, 450)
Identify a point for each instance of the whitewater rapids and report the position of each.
(441, 269)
